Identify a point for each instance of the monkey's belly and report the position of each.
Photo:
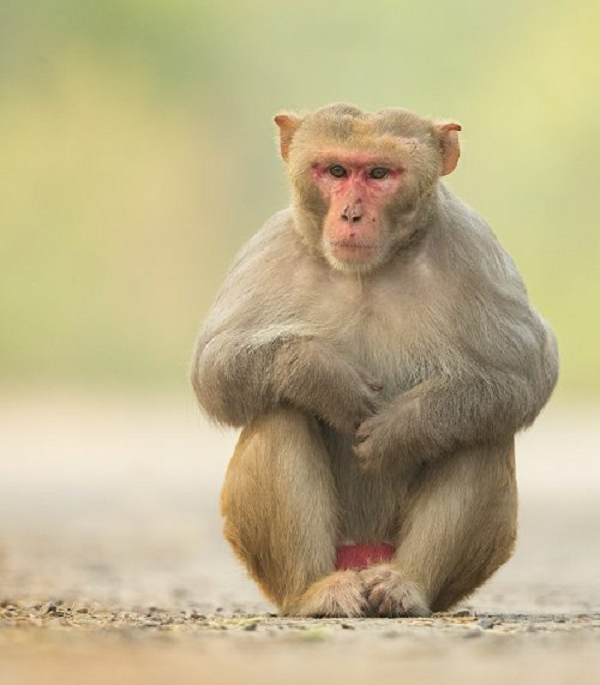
(357, 557)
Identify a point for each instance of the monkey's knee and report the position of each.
(255, 482)
(486, 554)
(279, 506)
(461, 523)
(264, 456)
(487, 531)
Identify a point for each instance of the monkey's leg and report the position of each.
(280, 507)
(459, 526)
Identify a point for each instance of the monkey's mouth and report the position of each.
(350, 250)
(351, 243)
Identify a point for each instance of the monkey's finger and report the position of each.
(364, 454)
(376, 595)
(361, 434)
(357, 450)
(361, 424)
(372, 405)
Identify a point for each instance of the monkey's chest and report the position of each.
(391, 340)
(382, 347)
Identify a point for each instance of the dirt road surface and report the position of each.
(113, 570)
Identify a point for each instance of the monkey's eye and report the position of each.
(337, 171)
(379, 173)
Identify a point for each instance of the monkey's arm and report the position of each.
(256, 352)
(239, 375)
(480, 400)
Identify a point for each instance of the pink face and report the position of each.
(357, 187)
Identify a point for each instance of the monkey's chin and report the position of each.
(354, 258)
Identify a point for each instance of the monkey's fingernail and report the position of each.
(377, 386)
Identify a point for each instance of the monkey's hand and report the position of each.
(319, 380)
(380, 437)
(374, 440)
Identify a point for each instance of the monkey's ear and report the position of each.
(288, 125)
(449, 146)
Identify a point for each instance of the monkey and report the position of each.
(377, 347)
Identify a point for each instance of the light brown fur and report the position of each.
(380, 398)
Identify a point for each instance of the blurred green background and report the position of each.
(137, 154)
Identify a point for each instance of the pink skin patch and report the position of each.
(356, 200)
(357, 557)
(357, 180)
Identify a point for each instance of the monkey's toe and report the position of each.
(339, 595)
(390, 594)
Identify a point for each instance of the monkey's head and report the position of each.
(362, 183)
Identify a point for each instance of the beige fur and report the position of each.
(379, 402)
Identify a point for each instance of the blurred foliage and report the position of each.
(138, 154)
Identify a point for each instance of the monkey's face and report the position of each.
(357, 200)
(357, 188)
(360, 180)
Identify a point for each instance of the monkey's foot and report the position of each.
(338, 595)
(390, 594)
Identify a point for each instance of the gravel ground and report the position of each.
(112, 567)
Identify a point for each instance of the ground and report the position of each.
(112, 566)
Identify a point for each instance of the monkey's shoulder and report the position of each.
(265, 262)
(467, 245)
(274, 240)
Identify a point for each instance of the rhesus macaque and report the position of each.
(377, 346)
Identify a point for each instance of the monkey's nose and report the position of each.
(353, 212)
